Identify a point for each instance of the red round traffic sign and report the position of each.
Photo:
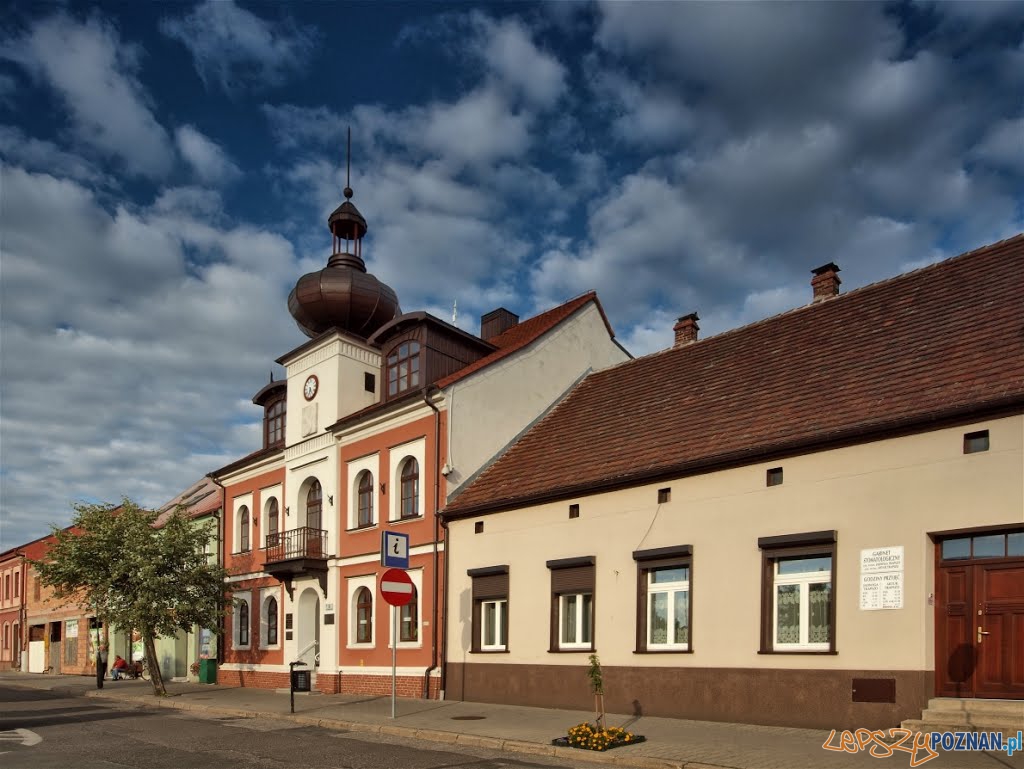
(396, 587)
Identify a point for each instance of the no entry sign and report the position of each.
(396, 587)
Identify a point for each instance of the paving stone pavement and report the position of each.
(670, 744)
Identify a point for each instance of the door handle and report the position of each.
(981, 633)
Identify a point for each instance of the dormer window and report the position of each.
(404, 368)
(273, 424)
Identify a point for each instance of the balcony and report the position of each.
(296, 553)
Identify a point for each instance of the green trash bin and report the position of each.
(207, 671)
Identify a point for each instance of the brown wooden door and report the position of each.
(999, 631)
(979, 629)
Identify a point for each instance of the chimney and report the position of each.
(686, 329)
(825, 282)
(496, 322)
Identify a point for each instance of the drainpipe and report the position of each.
(437, 496)
(22, 647)
(220, 562)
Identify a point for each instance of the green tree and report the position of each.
(158, 581)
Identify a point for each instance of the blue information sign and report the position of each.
(394, 550)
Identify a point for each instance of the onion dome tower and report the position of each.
(343, 294)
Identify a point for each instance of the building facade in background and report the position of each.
(813, 520)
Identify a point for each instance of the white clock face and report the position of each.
(309, 389)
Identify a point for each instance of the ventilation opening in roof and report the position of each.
(975, 442)
(774, 476)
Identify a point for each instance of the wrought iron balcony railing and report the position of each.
(296, 543)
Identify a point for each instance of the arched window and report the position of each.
(17, 584)
(365, 499)
(274, 423)
(243, 623)
(243, 531)
(409, 619)
(410, 488)
(364, 616)
(404, 368)
(314, 505)
(272, 622)
(273, 521)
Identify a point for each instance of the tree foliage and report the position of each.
(158, 581)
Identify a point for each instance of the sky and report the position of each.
(168, 169)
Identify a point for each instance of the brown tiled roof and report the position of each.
(940, 342)
(200, 498)
(522, 334)
(248, 459)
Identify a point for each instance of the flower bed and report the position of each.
(587, 736)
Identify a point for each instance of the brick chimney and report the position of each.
(825, 282)
(686, 329)
(497, 322)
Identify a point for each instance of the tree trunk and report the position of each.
(599, 707)
(154, 667)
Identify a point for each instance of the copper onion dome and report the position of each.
(343, 294)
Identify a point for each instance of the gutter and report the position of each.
(437, 521)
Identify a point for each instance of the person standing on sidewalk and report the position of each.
(101, 665)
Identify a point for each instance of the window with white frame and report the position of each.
(490, 609)
(572, 596)
(664, 610)
(364, 616)
(361, 591)
(362, 490)
(798, 605)
(243, 529)
(364, 499)
(409, 502)
(270, 617)
(409, 620)
(405, 474)
(241, 621)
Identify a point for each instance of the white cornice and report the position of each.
(308, 446)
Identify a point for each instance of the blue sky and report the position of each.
(167, 170)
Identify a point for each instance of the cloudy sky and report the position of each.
(167, 170)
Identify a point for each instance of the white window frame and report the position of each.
(804, 580)
(273, 492)
(369, 581)
(265, 595)
(398, 454)
(355, 468)
(243, 596)
(563, 599)
(236, 523)
(670, 589)
(500, 629)
(416, 575)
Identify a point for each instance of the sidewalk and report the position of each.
(671, 743)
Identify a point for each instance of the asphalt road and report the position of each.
(42, 730)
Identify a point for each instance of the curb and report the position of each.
(521, 747)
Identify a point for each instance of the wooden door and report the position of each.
(999, 631)
(979, 626)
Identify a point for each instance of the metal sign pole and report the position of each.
(394, 655)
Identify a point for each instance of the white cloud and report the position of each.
(1003, 145)
(207, 158)
(127, 338)
(95, 73)
(39, 155)
(236, 48)
(518, 63)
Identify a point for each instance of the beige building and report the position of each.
(814, 520)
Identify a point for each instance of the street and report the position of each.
(44, 730)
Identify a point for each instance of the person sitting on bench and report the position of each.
(119, 668)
